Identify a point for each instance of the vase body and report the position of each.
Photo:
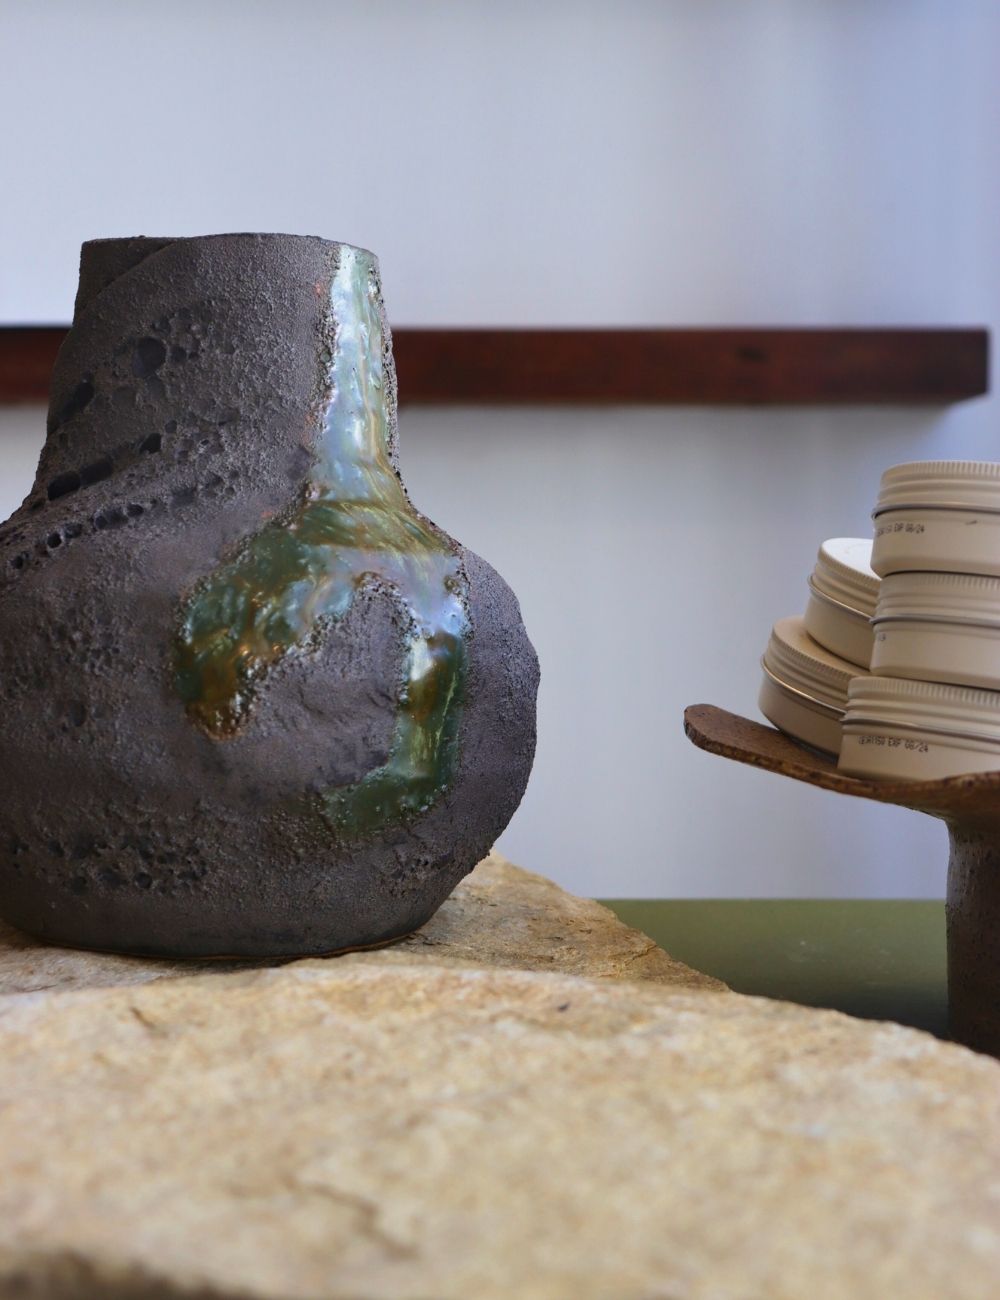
(254, 703)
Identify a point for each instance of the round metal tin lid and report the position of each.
(795, 660)
(932, 706)
(942, 485)
(843, 573)
(960, 598)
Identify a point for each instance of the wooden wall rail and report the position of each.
(649, 366)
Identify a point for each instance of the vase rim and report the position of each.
(162, 240)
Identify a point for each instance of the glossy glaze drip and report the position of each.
(355, 527)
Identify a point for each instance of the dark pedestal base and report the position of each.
(974, 937)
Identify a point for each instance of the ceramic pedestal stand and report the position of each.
(969, 805)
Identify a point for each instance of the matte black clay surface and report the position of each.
(253, 703)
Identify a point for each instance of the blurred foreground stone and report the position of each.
(414, 1123)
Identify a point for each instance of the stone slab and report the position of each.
(403, 1132)
(525, 1100)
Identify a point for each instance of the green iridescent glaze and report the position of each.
(354, 527)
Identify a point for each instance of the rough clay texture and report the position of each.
(499, 915)
(185, 410)
(362, 1129)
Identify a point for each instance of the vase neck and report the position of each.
(354, 447)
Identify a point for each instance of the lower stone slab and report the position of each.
(383, 1127)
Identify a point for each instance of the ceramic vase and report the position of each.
(254, 702)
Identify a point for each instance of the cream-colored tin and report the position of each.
(804, 690)
(941, 515)
(939, 627)
(903, 730)
(843, 590)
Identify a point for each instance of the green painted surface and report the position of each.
(354, 527)
(882, 960)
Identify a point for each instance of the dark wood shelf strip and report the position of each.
(704, 367)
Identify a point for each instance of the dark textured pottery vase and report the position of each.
(254, 702)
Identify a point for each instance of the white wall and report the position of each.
(761, 162)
